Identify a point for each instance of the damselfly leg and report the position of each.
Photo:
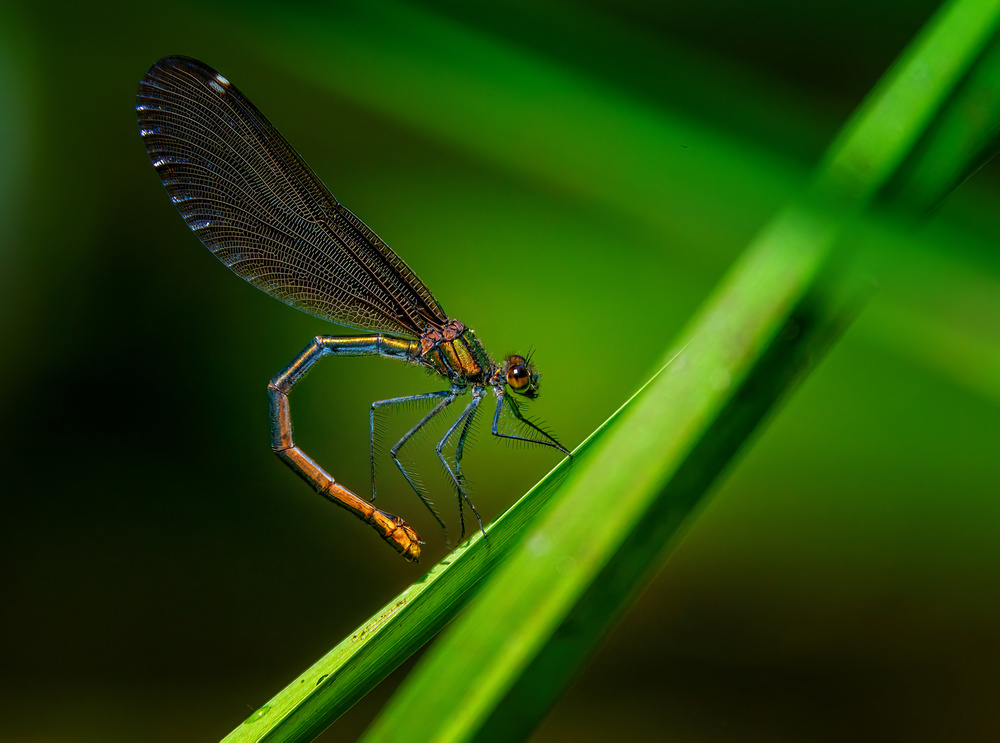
(457, 478)
(548, 439)
(449, 397)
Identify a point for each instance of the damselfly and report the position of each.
(257, 206)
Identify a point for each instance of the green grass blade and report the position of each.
(536, 620)
(962, 138)
(333, 684)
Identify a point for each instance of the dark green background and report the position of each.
(573, 178)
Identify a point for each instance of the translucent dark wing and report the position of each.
(260, 209)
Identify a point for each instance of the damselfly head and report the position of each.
(521, 377)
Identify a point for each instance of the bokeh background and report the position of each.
(569, 177)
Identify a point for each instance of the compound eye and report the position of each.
(518, 377)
